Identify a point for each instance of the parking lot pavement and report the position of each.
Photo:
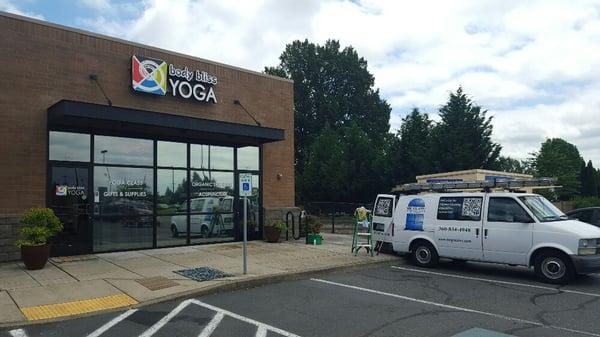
(469, 299)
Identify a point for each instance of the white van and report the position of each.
(202, 213)
(501, 227)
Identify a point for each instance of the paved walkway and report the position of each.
(67, 287)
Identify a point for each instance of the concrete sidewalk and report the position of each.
(68, 287)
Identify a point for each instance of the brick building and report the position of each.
(133, 146)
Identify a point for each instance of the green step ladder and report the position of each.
(363, 231)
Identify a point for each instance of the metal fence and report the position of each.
(336, 217)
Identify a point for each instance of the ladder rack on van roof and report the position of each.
(483, 185)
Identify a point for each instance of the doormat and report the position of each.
(74, 258)
(157, 283)
(202, 274)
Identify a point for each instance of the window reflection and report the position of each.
(172, 154)
(69, 146)
(211, 206)
(211, 157)
(247, 158)
(171, 207)
(123, 208)
(124, 151)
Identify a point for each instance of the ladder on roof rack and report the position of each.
(483, 185)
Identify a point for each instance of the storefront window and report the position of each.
(123, 208)
(123, 151)
(172, 154)
(171, 207)
(212, 157)
(211, 206)
(247, 158)
(68, 146)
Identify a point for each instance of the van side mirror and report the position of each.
(522, 218)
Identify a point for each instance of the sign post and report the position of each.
(245, 191)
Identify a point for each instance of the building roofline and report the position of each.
(473, 171)
(136, 44)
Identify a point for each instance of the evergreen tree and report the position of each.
(589, 181)
(462, 140)
(413, 148)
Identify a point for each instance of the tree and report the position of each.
(561, 160)
(344, 165)
(332, 86)
(321, 178)
(508, 164)
(411, 155)
(462, 140)
(589, 181)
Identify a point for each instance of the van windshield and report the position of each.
(542, 208)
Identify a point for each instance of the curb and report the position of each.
(230, 285)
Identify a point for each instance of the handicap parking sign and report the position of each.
(245, 185)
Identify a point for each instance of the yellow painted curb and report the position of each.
(77, 307)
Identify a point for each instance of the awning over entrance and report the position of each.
(87, 117)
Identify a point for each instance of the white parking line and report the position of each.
(261, 331)
(452, 307)
(497, 281)
(112, 323)
(261, 326)
(153, 329)
(18, 333)
(212, 325)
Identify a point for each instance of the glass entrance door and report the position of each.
(69, 197)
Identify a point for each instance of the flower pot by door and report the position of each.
(272, 234)
(35, 257)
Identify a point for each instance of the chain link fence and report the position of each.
(336, 217)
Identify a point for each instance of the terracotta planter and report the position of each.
(272, 234)
(35, 257)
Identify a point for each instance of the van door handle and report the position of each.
(476, 232)
(485, 232)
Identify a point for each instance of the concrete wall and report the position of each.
(44, 63)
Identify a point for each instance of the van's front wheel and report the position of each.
(554, 268)
(425, 255)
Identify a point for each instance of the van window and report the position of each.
(506, 210)
(460, 208)
(384, 207)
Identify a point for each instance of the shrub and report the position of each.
(586, 202)
(280, 226)
(313, 226)
(40, 225)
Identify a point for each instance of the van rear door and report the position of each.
(383, 213)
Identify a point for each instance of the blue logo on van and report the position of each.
(415, 213)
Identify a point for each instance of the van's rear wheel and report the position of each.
(554, 267)
(425, 255)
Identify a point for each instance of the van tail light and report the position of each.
(392, 226)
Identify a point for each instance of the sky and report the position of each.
(534, 65)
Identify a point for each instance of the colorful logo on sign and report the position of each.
(61, 190)
(149, 75)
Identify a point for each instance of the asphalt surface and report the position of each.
(401, 300)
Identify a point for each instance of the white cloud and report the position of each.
(9, 7)
(535, 65)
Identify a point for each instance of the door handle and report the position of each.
(485, 233)
(476, 232)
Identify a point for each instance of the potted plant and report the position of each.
(313, 237)
(273, 232)
(40, 224)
